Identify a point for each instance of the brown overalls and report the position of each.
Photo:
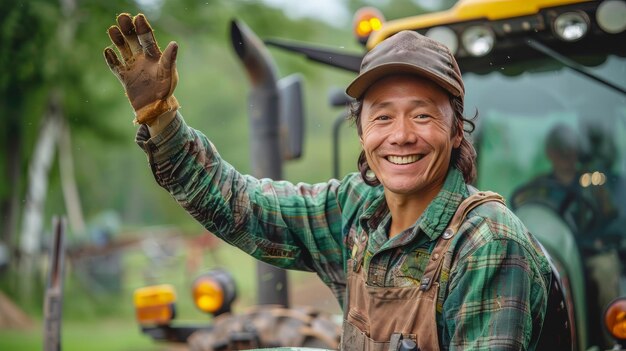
(377, 318)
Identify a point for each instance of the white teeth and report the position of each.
(403, 160)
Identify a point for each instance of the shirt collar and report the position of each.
(440, 211)
(374, 211)
(437, 215)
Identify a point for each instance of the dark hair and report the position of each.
(463, 158)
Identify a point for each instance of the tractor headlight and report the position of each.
(446, 36)
(615, 318)
(571, 26)
(478, 40)
(611, 16)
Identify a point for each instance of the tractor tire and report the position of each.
(268, 326)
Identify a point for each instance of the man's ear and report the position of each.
(457, 141)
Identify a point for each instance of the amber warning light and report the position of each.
(366, 21)
(214, 291)
(208, 295)
(154, 305)
(615, 319)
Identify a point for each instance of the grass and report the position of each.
(106, 334)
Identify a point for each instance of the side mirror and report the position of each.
(291, 110)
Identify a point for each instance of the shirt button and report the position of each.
(448, 234)
(435, 257)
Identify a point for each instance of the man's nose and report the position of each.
(404, 132)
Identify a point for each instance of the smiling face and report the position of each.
(407, 136)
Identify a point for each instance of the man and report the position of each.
(418, 262)
(560, 188)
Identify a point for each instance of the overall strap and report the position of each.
(434, 265)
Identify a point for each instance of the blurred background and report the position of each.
(68, 149)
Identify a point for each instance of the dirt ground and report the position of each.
(11, 316)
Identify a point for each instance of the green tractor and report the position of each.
(548, 78)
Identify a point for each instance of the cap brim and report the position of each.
(365, 80)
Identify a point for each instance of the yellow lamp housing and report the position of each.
(214, 292)
(366, 21)
(615, 319)
(155, 305)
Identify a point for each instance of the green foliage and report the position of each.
(22, 36)
(24, 32)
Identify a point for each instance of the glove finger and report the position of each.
(168, 66)
(113, 61)
(125, 23)
(168, 59)
(146, 37)
(118, 39)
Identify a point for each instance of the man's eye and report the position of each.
(382, 118)
(422, 116)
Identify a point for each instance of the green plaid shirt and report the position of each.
(493, 289)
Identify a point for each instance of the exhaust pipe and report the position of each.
(265, 150)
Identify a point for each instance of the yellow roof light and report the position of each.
(155, 304)
(366, 21)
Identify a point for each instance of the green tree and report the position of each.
(45, 56)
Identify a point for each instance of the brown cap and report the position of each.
(412, 53)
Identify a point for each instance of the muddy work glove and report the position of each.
(148, 75)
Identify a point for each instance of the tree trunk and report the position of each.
(33, 213)
(68, 182)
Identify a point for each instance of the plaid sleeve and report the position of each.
(495, 289)
(287, 225)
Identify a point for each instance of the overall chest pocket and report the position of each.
(411, 267)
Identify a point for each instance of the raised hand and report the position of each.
(148, 75)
